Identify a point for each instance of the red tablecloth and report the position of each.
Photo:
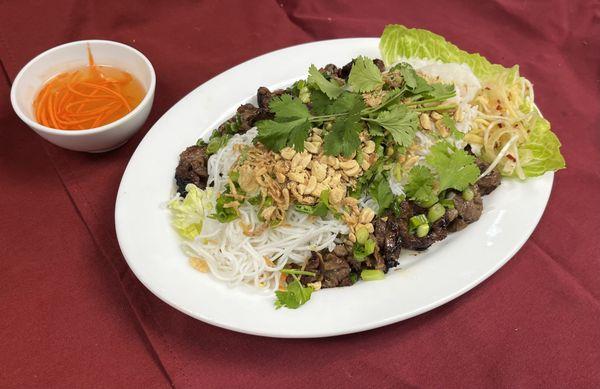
(73, 315)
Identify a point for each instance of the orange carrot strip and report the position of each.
(113, 92)
(105, 116)
(51, 110)
(73, 90)
(94, 111)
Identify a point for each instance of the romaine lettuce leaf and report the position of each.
(541, 152)
(399, 42)
(188, 213)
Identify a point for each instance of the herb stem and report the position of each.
(298, 272)
(435, 100)
(326, 117)
(389, 99)
(436, 108)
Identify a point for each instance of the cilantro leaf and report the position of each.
(277, 135)
(346, 102)
(455, 168)
(408, 74)
(401, 122)
(412, 81)
(321, 105)
(290, 127)
(294, 296)
(367, 178)
(329, 87)
(381, 192)
(288, 107)
(319, 102)
(365, 75)
(440, 91)
(321, 209)
(451, 124)
(343, 138)
(420, 185)
(375, 129)
(422, 86)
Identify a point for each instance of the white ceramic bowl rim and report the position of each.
(32, 123)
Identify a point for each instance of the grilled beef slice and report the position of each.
(331, 269)
(264, 96)
(192, 168)
(490, 181)
(468, 211)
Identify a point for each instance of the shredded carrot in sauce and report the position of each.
(87, 97)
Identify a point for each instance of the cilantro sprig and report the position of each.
(421, 185)
(451, 168)
(294, 296)
(347, 113)
(290, 127)
(343, 139)
(456, 168)
(381, 192)
(321, 209)
(401, 122)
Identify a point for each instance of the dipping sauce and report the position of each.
(87, 97)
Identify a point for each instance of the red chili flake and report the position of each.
(500, 125)
(509, 156)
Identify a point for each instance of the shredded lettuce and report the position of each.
(541, 152)
(188, 213)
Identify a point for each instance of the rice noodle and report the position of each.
(243, 251)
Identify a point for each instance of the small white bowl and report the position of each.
(72, 55)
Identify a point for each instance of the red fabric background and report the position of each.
(73, 315)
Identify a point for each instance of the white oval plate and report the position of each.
(151, 247)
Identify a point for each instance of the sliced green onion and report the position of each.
(298, 272)
(436, 212)
(363, 251)
(417, 221)
(304, 95)
(268, 202)
(372, 275)
(426, 204)
(422, 230)
(362, 234)
(255, 200)
(468, 194)
(234, 175)
(309, 209)
(447, 203)
(397, 171)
